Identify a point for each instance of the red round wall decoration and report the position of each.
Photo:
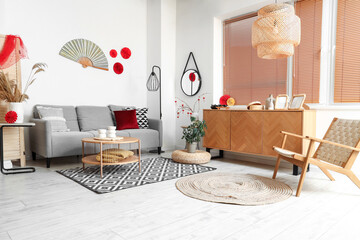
(125, 53)
(113, 53)
(118, 68)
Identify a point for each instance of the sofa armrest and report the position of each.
(40, 138)
(156, 124)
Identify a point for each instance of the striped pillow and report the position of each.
(55, 116)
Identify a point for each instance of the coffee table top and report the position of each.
(124, 140)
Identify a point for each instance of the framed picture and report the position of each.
(297, 101)
(281, 101)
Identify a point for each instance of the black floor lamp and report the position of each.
(153, 84)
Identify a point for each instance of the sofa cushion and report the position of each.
(114, 108)
(69, 114)
(141, 116)
(149, 138)
(121, 133)
(94, 117)
(55, 116)
(69, 143)
(126, 120)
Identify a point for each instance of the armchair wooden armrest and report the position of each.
(294, 135)
(333, 143)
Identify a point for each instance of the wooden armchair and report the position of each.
(337, 151)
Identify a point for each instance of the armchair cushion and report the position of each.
(284, 152)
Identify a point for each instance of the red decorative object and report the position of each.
(125, 53)
(11, 117)
(192, 77)
(223, 99)
(181, 106)
(113, 53)
(8, 56)
(118, 68)
(126, 119)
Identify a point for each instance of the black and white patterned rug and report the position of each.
(119, 177)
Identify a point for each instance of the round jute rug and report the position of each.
(242, 189)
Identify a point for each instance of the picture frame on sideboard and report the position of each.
(281, 101)
(297, 102)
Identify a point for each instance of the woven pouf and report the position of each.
(182, 156)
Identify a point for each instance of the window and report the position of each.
(347, 55)
(247, 77)
(306, 60)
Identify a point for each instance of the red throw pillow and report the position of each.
(126, 120)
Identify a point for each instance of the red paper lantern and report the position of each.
(113, 53)
(118, 68)
(223, 99)
(11, 117)
(125, 53)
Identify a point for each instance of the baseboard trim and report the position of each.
(270, 161)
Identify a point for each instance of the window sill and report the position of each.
(335, 107)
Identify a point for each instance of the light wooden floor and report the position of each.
(46, 205)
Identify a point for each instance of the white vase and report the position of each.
(269, 103)
(17, 107)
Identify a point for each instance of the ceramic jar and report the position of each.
(270, 103)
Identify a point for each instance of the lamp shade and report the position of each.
(153, 83)
(276, 32)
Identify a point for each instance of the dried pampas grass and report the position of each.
(9, 90)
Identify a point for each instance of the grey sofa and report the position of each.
(84, 121)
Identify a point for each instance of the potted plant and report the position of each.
(193, 134)
(11, 93)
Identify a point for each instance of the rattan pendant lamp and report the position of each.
(276, 32)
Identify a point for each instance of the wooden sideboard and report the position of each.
(257, 131)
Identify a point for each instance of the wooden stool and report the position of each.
(182, 156)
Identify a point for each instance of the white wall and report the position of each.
(198, 30)
(45, 26)
(153, 52)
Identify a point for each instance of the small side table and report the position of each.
(12, 170)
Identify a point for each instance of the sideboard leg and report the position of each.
(297, 171)
(221, 153)
(33, 155)
(48, 162)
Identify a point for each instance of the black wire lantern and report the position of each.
(154, 83)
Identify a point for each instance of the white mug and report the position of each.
(113, 128)
(102, 135)
(102, 131)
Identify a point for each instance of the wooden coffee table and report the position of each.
(91, 159)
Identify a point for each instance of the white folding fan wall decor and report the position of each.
(85, 52)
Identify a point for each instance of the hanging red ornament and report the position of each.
(118, 68)
(113, 53)
(125, 53)
(11, 117)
